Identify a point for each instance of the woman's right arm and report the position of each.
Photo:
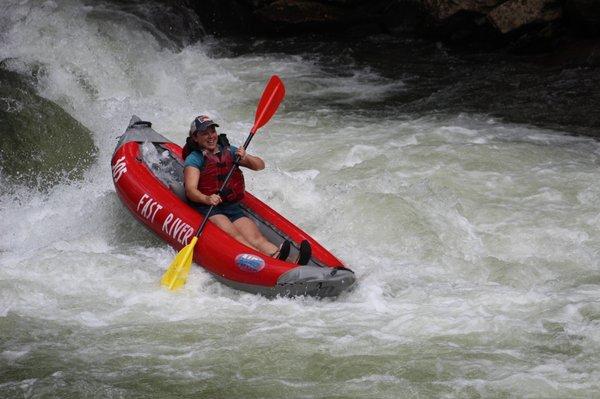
(191, 175)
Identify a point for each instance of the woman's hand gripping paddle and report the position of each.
(176, 274)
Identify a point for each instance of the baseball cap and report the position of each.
(201, 123)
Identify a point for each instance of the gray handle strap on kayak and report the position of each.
(142, 123)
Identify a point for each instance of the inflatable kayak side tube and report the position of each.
(308, 280)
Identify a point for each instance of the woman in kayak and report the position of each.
(208, 159)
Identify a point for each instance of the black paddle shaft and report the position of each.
(235, 165)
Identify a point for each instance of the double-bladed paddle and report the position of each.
(176, 274)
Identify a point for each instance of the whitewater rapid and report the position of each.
(474, 240)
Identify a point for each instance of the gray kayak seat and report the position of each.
(168, 169)
(178, 190)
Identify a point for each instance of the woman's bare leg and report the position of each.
(252, 234)
(225, 224)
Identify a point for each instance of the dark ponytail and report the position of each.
(190, 145)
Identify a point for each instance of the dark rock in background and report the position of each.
(515, 14)
(292, 15)
(171, 22)
(224, 17)
(583, 16)
(520, 26)
(40, 143)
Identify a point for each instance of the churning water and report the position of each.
(475, 240)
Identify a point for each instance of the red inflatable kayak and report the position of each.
(147, 172)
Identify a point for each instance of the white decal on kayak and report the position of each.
(149, 207)
(119, 168)
(249, 263)
(177, 229)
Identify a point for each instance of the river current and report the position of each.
(469, 212)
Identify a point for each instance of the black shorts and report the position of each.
(232, 210)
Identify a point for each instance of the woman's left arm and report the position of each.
(250, 161)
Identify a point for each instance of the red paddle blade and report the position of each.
(269, 102)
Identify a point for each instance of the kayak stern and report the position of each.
(317, 281)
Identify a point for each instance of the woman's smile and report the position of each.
(207, 139)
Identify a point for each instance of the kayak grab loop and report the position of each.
(142, 123)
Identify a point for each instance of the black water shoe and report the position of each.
(305, 253)
(284, 250)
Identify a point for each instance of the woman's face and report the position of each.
(207, 139)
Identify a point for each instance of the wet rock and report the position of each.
(521, 26)
(441, 10)
(299, 12)
(496, 21)
(401, 17)
(290, 15)
(515, 14)
(172, 22)
(40, 143)
(222, 17)
(350, 18)
(584, 16)
(537, 39)
(490, 23)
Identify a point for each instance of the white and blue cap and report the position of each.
(201, 123)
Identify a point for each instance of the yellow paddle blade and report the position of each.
(176, 275)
